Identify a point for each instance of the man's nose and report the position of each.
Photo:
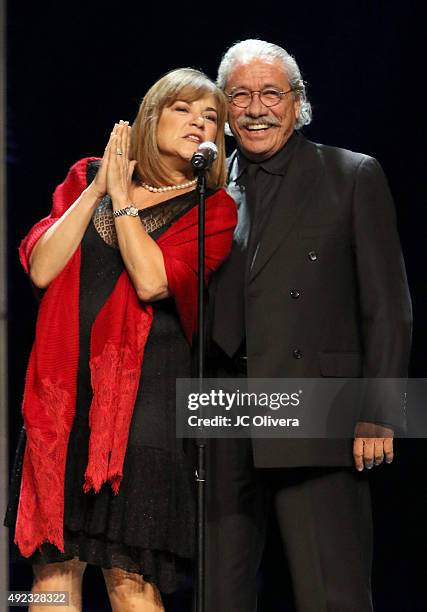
(256, 108)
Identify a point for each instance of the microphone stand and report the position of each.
(201, 161)
(201, 443)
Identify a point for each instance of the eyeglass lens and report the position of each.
(268, 97)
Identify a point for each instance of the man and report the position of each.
(315, 286)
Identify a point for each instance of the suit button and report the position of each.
(312, 256)
(297, 354)
(295, 294)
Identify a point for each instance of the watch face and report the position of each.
(132, 211)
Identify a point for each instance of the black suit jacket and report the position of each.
(326, 293)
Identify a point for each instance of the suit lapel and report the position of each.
(296, 192)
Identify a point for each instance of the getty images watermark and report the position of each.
(236, 403)
(301, 408)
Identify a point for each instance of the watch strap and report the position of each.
(125, 211)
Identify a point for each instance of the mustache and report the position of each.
(245, 120)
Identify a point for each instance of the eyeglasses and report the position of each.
(242, 98)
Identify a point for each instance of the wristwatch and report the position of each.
(130, 210)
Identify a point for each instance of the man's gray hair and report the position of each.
(252, 49)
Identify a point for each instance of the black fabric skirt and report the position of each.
(148, 527)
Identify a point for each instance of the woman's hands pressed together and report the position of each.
(55, 247)
(116, 169)
(141, 255)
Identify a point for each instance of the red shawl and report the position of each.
(118, 339)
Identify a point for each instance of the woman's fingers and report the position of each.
(126, 152)
(128, 132)
(107, 151)
(112, 161)
(112, 134)
(100, 180)
(113, 148)
(108, 147)
(124, 130)
(122, 135)
(131, 169)
(123, 157)
(119, 167)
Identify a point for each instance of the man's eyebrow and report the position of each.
(274, 85)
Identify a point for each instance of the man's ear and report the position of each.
(297, 107)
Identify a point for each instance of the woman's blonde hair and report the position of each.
(185, 84)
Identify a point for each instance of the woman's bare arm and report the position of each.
(54, 249)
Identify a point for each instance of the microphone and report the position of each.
(205, 155)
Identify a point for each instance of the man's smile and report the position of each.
(253, 127)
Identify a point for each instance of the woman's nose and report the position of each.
(199, 120)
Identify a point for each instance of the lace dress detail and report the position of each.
(148, 527)
(103, 221)
(153, 218)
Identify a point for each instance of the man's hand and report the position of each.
(372, 443)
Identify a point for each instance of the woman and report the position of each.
(104, 479)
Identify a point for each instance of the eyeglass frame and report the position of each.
(259, 92)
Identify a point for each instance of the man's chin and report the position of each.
(255, 151)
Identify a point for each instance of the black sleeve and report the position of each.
(385, 305)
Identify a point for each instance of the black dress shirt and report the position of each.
(260, 182)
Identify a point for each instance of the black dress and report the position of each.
(148, 527)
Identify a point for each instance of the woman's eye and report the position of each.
(182, 109)
(212, 118)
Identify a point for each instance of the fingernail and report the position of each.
(369, 466)
(359, 468)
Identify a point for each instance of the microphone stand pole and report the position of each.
(201, 443)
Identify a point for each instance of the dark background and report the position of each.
(76, 68)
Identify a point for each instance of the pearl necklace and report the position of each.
(169, 187)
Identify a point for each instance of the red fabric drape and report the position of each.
(118, 339)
